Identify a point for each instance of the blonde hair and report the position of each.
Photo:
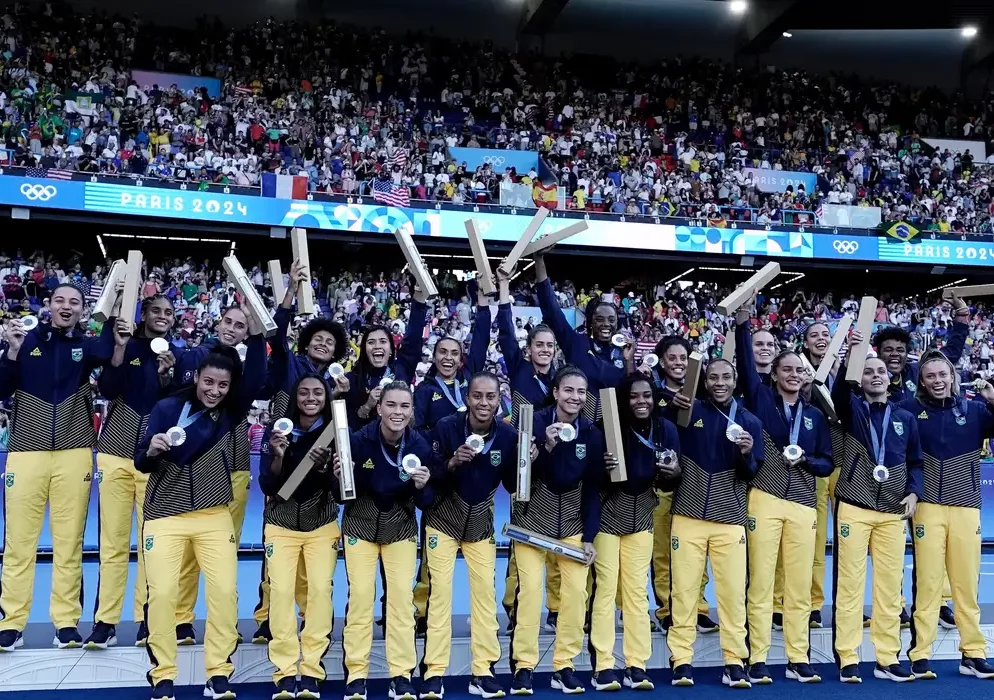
(921, 393)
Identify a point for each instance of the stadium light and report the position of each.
(787, 35)
(737, 7)
(968, 32)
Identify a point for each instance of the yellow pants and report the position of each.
(859, 531)
(552, 582)
(774, 526)
(122, 492)
(261, 613)
(60, 479)
(210, 535)
(661, 518)
(481, 558)
(692, 542)
(528, 608)
(284, 550)
(621, 561)
(824, 488)
(946, 538)
(189, 582)
(399, 564)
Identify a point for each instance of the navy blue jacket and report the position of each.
(527, 385)
(903, 387)
(313, 502)
(286, 368)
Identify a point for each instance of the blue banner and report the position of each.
(778, 180)
(148, 78)
(521, 161)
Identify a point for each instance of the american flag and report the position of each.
(399, 159)
(50, 173)
(243, 91)
(386, 192)
(819, 213)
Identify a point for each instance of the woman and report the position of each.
(565, 505)
(303, 528)
(624, 542)
(781, 504)
(381, 531)
(186, 452)
(877, 491)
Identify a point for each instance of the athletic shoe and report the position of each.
(551, 621)
(356, 690)
(947, 620)
(814, 620)
(432, 688)
(975, 667)
(705, 625)
(10, 640)
(866, 620)
(141, 638)
(486, 687)
(802, 673)
(922, 670)
(683, 676)
(850, 674)
(308, 688)
(566, 681)
(185, 635)
(67, 638)
(905, 619)
(101, 636)
(286, 689)
(637, 679)
(759, 674)
(218, 688)
(163, 690)
(605, 680)
(778, 621)
(735, 677)
(894, 672)
(262, 635)
(522, 683)
(401, 689)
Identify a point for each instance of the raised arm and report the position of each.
(745, 362)
(98, 351)
(572, 341)
(506, 340)
(254, 372)
(842, 399)
(410, 350)
(478, 346)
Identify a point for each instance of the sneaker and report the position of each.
(814, 620)
(185, 635)
(735, 677)
(421, 627)
(975, 667)
(894, 672)
(262, 635)
(905, 619)
(637, 679)
(566, 681)
(486, 687)
(922, 670)
(947, 620)
(866, 620)
(219, 688)
(401, 688)
(850, 674)
(802, 673)
(759, 674)
(683, 676)
(308, 688)
(101, 636)
(356, 690)
(163, 690)
(705, 625)
(551, 620)
(286, 689)
(67, 638)
(606, 680)
(778, 621)
(522, 683)
(141, 638)
(10, 640)
(432, 688)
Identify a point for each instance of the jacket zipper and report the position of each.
(55, 382)
(942, 461)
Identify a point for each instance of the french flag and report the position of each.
(284, 186)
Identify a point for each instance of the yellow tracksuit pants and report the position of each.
(661, 518)
(775, 525)
(362, 561)
(859, 532)
(621, 562)
(552, 582)
(122, 492)
(261, 613)
(284, 550)
(481, 558)
(824, 488)
(189, 584)
(946, 538)
(528, 607)
(692, 542)
(209, 533)
(60, 479)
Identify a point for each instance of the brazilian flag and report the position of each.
(902, 231)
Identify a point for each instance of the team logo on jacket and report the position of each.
(149, 541)
(620, 364)
(36, 352)
(136, 362)
(675, 542)
(495, 458)
(368, 464)
(919, 531)
(269, 550)
(923, 415)
(844, 530)
(436, 396)
(751, 523)
(699, 423)
(188, 375)
(100, 476)
(960, 420)
(808, 423)
(77, 354)
(911, 385)
(899, 427)
(581, 451)
(8, 480)
(432, 541)
(352, 541)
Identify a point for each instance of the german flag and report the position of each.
(902, 231)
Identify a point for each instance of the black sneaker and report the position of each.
(10, 640)
(894, 672)
(922, 670)
(308, 688)
(163, 690)
(947, 620)
(705, 625)
(219, 688)
(905, 619)
(850, 674)
(735, 677)
(432, 688)
(185, 635)
(401, 689)
(814, 620)
(683, 676)
(802, 673)
(606, 680)
(421, 627)
(551, 620)
(141, 638)
(101, 636)
(866, 620)
(975, 667)
(522, 683)
(637, 679)
(663, 624)
(286, 689)
(759, 674)
(486, 687)
(566, 681)
(356, 690)
(262, 635)
(778, 621)
(67, 638)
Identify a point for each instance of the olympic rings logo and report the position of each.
(493, 160)
(41, 193)
(845, 247)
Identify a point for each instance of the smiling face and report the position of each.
(233, 327)
(720, 381)
(483, 399)
(311, 397)
(396, 408)
(640, 400)
(67, 307)
(894, 353)
(213, 384)
(875, 379)
(675, 363)
(321, 348)
(937, 379)
(158, 317)
(816, 340)
(378, 349)
(570, 395)
(764, 348)
(542, 349)
(448, 357)
(604, 323)
(790, 374)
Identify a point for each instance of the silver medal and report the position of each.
(160, 346)
(410, 463)
(733, 432)
(881, 473)
(475, 443)
(792, 453)
(567, 433)
(284, 426)
(176, 436)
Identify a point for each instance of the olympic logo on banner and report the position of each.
(845, 247)
(41, 193)
(494, 160)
